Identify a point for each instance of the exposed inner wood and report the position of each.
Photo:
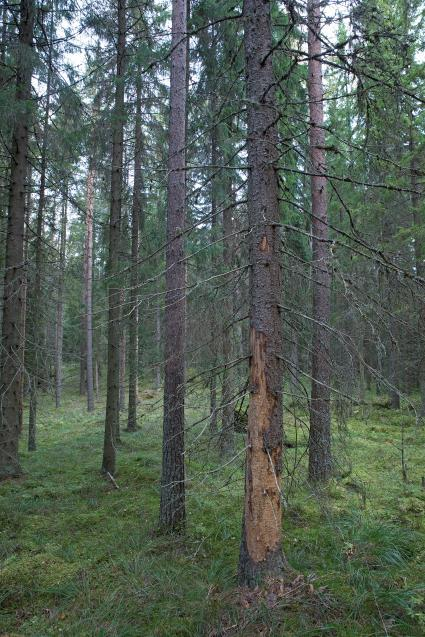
(262, 516)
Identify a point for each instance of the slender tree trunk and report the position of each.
(261, 545)
(83, 351)
(320, 458)
(213, 403)
(59, 306)
(227, 435)
(112, 395)
(172, 505)
(3, 32)
(88, 284)
(11, 354)
(38, 355)
(215, 331)
(25, 288)
(96, 378)
(419, 261)
(294, 356)
(3, 43)
(158, 345)
(136, 223)
(123, 354)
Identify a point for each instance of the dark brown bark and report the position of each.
(136, 223)
(59, 305)
(215, 331)
(23, 327)
(320, 459)
(123, 355)
(261, 545)
(37, 354)
(88, 284)
(112, 387)
(172, 505)
(11, 356)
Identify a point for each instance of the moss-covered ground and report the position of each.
(81, 558)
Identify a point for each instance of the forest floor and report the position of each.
(80, 558)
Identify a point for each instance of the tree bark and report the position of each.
(214, 316)
(261, 545)
(227, 435)
(419, 260)
(88, 284)
(123, 354)
(11, 356)
(158, 344)
(320, 458)
(172, 505)
(112, 395)
(37, 292)
(59, 306)
(136, 223)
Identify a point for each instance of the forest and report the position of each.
(212, 362)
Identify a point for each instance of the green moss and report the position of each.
(80, 558)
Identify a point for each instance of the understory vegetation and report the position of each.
(82, 555)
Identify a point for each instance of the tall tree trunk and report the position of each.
(11, 355)
(215, 331)
(96, 378)
(419, 261)
(158, 344)
(112, 388)
(320, 459)
(227, 434)
(59, 306)
(172, 505)
(23, 327)
(88, 283)
(261, 545)
(123, 354)
(38, 355)
(83, 358)
(136, 223)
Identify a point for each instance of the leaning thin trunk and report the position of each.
(172, 505)
(320, 459)
(11, 355)
(112, 387)
(261, 545)
(59, 306)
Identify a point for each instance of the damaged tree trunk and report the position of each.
(261, 545)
